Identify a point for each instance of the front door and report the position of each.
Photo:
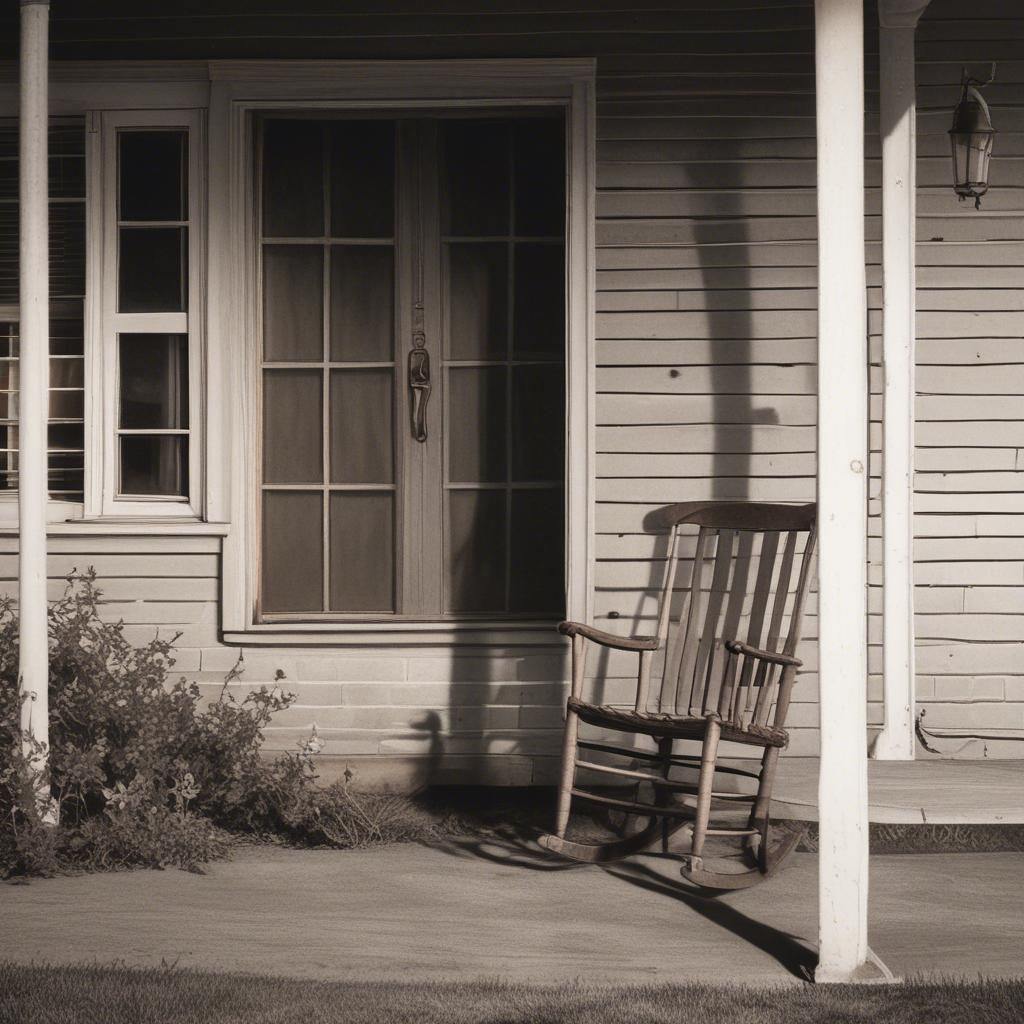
(413, 366)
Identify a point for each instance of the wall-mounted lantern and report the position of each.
(971, 137)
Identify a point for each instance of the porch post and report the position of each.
(842, 491)
(898, 19)
(33, 367)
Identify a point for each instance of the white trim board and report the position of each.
(242, 88)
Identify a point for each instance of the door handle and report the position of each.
(419, 388)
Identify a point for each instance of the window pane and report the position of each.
(361, 427)
(362, 179)
(539, 177)
(293, 179)
(154, 381)
(293, 303)
(64, 405)
(293, 552)
(478, 301)
(476, 551)
(66, 373)
(538, 552)
(476, 413)
(362, 303)
(538, 426)
(539, 320)
(153, 176)
(476, 177)
(154, 465)
(153, 270)
(362, 552)
(292, 427)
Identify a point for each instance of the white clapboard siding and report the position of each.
(969, 520)
(706, 337)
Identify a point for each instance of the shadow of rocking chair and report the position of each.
(749, 578)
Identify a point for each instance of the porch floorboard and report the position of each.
(496, 908)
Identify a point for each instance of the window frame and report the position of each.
(239, 92)
(103, 498)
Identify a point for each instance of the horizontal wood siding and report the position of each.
(707, 305)
(969, 526)
(706, 351)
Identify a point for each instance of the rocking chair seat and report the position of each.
(676, 726)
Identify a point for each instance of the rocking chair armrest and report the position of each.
(599, 636)
(738, 647)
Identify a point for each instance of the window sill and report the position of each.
(135, 527)
(394, 634)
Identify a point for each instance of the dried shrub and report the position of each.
(141, 773)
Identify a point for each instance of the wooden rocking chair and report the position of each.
(751, 567)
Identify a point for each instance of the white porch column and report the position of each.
(34, 373)
(842, 491)
(898, 19)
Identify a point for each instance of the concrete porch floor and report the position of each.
(927, 791)
(497, 908)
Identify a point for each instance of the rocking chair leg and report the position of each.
(572, 728)
(665, 752)
(769, 763)
(708, 755)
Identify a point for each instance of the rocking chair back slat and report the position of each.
(741, 585)
(673, 682)
(705, 641)
(782, 592)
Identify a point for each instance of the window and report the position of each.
(152, 236)
(67, 292)
(412, 367)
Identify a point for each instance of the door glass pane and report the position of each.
(539, 318)
(537, 583)
(362, 179)
(478, 300)
(293, 179)
(538, 424)
(154, 381)
(476, 551)
(292, 426)
(362, 303)
(293, 551)
(154, 464)
(152, 175)
(152, 270)
(476, 412)
(539, 147)
(476, 166)
(362, 552)
(293, 303)
(361, 427)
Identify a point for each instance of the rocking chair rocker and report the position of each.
(714, 687)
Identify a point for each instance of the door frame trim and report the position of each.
(240, 88)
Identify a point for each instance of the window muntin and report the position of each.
(66, 429)
(336, 446)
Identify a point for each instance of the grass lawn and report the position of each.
(120, 995)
